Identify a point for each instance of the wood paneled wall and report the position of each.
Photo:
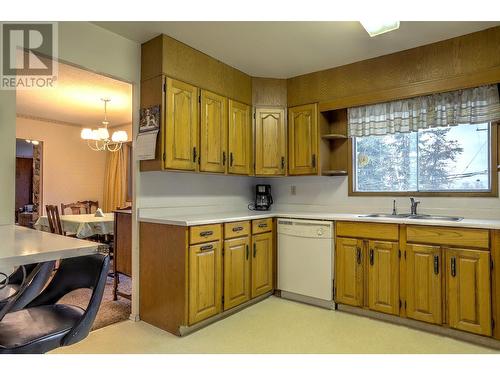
(269, 92)
(165, 55)
(465, 61)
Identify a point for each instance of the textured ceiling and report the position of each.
(288, 49)
(76, 99)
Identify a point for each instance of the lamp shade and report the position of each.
(103, 133)
(86, 133)
(119, 136)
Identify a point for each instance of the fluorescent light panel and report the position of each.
(374, 28)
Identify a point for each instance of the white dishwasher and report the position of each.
(305, 261)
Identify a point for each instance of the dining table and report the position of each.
(82, 226)
(21, 246)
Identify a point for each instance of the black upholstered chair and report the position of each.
(44, 324)
(23, 288)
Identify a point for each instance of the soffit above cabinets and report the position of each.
(288, 49)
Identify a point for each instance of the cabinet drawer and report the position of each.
(236, 229)
(261, 226)
(461, 237)
(205, 233)
(375, 231)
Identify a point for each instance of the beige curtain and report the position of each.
(469, 106)
(115, 180)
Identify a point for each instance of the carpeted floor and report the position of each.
(110, 311)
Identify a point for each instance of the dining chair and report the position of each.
(91, 206)
(24, 285)
(46, 324)
(55, 224)
(76, 208)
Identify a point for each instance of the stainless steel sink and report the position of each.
(397, 216)
(415, 217)
(435, 217)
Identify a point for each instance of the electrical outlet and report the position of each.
(293, 190)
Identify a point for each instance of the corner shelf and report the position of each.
(334, 172)
(333, 136)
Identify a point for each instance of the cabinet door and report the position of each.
(205, 281)
(383, 277)
(213, 132)
(240, 138)
(262, 263)
(181, 135)
(303, 139)
(270, 142)
(468, 295)
(236, 271)
(349, 271)
(423, 283)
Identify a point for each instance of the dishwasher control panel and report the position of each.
(306, 228)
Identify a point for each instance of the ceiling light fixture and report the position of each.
(98, 139)
(374, 28)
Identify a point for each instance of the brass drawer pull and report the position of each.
(206, 233)
(206, 247)
(237, 229)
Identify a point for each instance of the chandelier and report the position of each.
(98, 139)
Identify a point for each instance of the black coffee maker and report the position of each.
(263, 198)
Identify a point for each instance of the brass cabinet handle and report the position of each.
(231, 159)
(372, 257)
(314, 160)
(206, 233)
(254, 250)
(282, 162)
(194, 154)
(358, 255)
(237, 229)
(223, 157)
(248, 252)
(436, 264)
(206, 247)
(453, 267)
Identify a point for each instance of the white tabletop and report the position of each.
(84, 225)
(20, 246)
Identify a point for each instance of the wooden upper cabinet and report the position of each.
(383, 277)
(205, 281)
(213, 132)
(468, 290)
(270, 142)
(303, 139)
(349, 271)
(181, 128)
(236, 271)
(423, 283)
(240, 139)
(262, 263)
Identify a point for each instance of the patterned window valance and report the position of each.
(470, 106)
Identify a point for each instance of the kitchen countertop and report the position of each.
(22, 246)
(161, 216)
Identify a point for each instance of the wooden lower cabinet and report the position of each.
(236, 271)
(383, 277)
(349, 271)
(262, 263)
(468, 290)
(205, 281)
(424, 283)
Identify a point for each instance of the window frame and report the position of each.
(493, 192)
